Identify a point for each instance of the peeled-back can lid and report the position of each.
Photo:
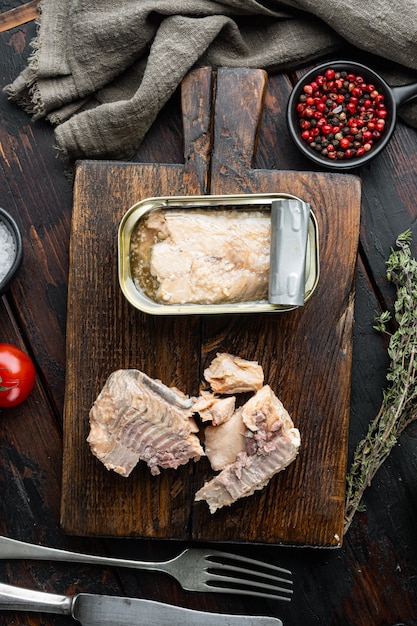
(289, 232)
(134, 291)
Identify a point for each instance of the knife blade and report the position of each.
(104, 610)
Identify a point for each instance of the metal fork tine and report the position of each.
(240, 570)
(220, 567)
(249, 583)
(251, 591)
(196, 569)
(243, 559)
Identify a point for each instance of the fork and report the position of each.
(195, 569)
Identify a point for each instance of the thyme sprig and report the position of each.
(399, 402)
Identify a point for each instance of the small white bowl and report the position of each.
(11, 225)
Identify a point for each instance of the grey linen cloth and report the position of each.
(101, 70)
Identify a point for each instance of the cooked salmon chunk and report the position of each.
(213, 409)
(224, 442)
(209, 257)
(271, 443)
(228, 374)
(138, 418)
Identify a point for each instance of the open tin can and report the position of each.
(137, 280)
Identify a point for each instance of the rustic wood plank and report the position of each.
(197, 92)
(114, 335)
(100, 326)
(122, 337)
(306, 354)
(238, 113)
(30, 484)
(34, 189)
(389, 207)
(18, 16)
(375, 571)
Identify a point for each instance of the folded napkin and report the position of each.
(101, 71)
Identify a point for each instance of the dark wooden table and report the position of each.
(371, 579)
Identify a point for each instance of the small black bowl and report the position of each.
(11, 225)
(394, 96)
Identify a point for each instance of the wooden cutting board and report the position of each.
(306, 353)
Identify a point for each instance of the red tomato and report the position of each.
(17, 375)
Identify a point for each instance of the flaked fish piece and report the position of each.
(223, 443)
(138, 418)
(211, 257)
(213, 409)
(271, 444)
(248, 474)
(228, 374)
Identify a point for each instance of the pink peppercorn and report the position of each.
(340, 114)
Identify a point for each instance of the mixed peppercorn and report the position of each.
(341, 115)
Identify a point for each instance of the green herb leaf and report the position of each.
(399, 405)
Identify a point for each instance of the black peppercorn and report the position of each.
(336, 111)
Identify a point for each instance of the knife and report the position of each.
(101, 610)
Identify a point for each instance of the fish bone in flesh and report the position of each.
(138, 418)
(271, 444)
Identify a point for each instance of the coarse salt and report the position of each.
(7, 250)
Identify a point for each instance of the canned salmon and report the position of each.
(205, 254)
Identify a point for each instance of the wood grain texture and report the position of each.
(306, 354)
(33, 188)
(19, 15)
(372, 579)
